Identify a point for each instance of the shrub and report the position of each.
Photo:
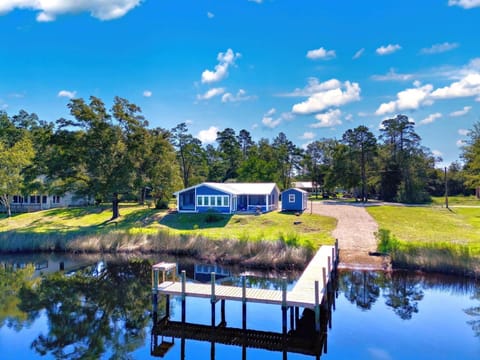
(161, 204)
(212, 217)
(387, 243)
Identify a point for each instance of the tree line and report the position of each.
(107, 155)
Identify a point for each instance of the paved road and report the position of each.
(355, 232)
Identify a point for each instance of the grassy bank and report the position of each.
(430, 238)
(269, 240)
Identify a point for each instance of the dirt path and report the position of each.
(355, 232)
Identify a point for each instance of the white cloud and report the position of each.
(256, 1)
(461, 143)
(331, 93)
(387, 50)
(225, 60)
(430, 119)
(439, 48)
(50, 9)
(268, 119)
(211, 93)
(409, 99)
(321, 53)
(241, 95)
(464, 111)
(254, 126)
(392, 75)
(210, 15)
(188, 122)
(208, 136)
(358, 54)
(271, 121)
(308, 135)
(67, 94)
(463, 132)
(314, 86)
(468, 86)
(329, 119)
(437, 153)
(466, 4)
(147, 93)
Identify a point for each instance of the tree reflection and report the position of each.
(474, 311)
(360, 287)
(11, 281)
(403, 294)
(95, 311)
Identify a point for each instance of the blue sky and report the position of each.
(309, 68)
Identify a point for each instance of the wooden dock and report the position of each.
(314, 291)
(308, 291)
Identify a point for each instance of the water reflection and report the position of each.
(95, 309)
(103, 310)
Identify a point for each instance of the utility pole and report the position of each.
(446, 189)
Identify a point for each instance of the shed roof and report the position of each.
(296, 189)
(239, 188)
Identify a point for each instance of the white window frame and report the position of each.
(291, 198)
(213, 200)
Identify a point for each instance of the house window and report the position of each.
(44, 199)
(213, 200)
(56, 199)
(17, 199)
(291, 198)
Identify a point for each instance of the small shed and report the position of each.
(294, 199)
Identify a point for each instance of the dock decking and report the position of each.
(308, 291)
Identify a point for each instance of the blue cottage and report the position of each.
(228, 198)
(294, 200)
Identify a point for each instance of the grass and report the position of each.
(458, 200)
(311, 230)
(271, 240)
(432, 238)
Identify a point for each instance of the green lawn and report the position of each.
(458, 200)
(310, 230)
(430, 225)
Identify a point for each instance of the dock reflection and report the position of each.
(302, 338)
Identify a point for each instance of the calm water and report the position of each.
(101, 308)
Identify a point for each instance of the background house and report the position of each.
(294, 200)
(228, 198)
(36, 202)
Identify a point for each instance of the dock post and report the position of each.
(336, 253)
(292, 319)
(244, 302)
(155, 295)
(284, 305)
(324, 277)
(297, 316)
(167, 306)
(333, 260)
(329, 265)
(184, 285)
(222, 313)
(212, 297)
(317, 306)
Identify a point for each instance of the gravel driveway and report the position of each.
(355, 232)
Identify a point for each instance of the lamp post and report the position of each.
(446, 189)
